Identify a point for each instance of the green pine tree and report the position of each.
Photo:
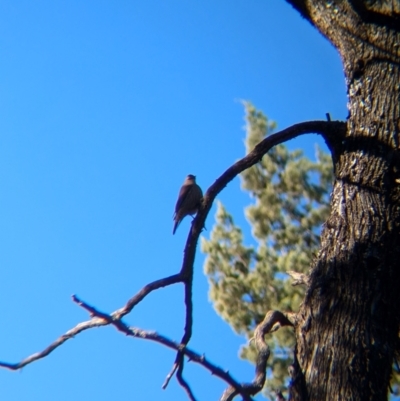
(290, 202)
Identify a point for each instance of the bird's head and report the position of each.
(191, 177)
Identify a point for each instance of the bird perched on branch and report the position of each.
(188, 202)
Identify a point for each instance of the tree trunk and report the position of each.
(348, 325)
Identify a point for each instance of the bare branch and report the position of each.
(61, 340)
(272, 320)
(155, 285)
(183, 382)
(94, 322)
(333, 132)
(153, 336)
(172, 372)
(187, 274)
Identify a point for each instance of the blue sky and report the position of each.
(105, 107)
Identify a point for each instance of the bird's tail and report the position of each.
(175, 226)
(177, 220)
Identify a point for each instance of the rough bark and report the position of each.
(347, 329)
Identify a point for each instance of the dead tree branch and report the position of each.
(271, 322)
(182, 351)
(333, 132)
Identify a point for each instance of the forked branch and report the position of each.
(333, 133)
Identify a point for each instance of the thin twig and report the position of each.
(171, 373)
(94, 322)
(153, 336)
(138, 297)
(183, 382)
(187, 333)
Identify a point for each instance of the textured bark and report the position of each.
(347, 329)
